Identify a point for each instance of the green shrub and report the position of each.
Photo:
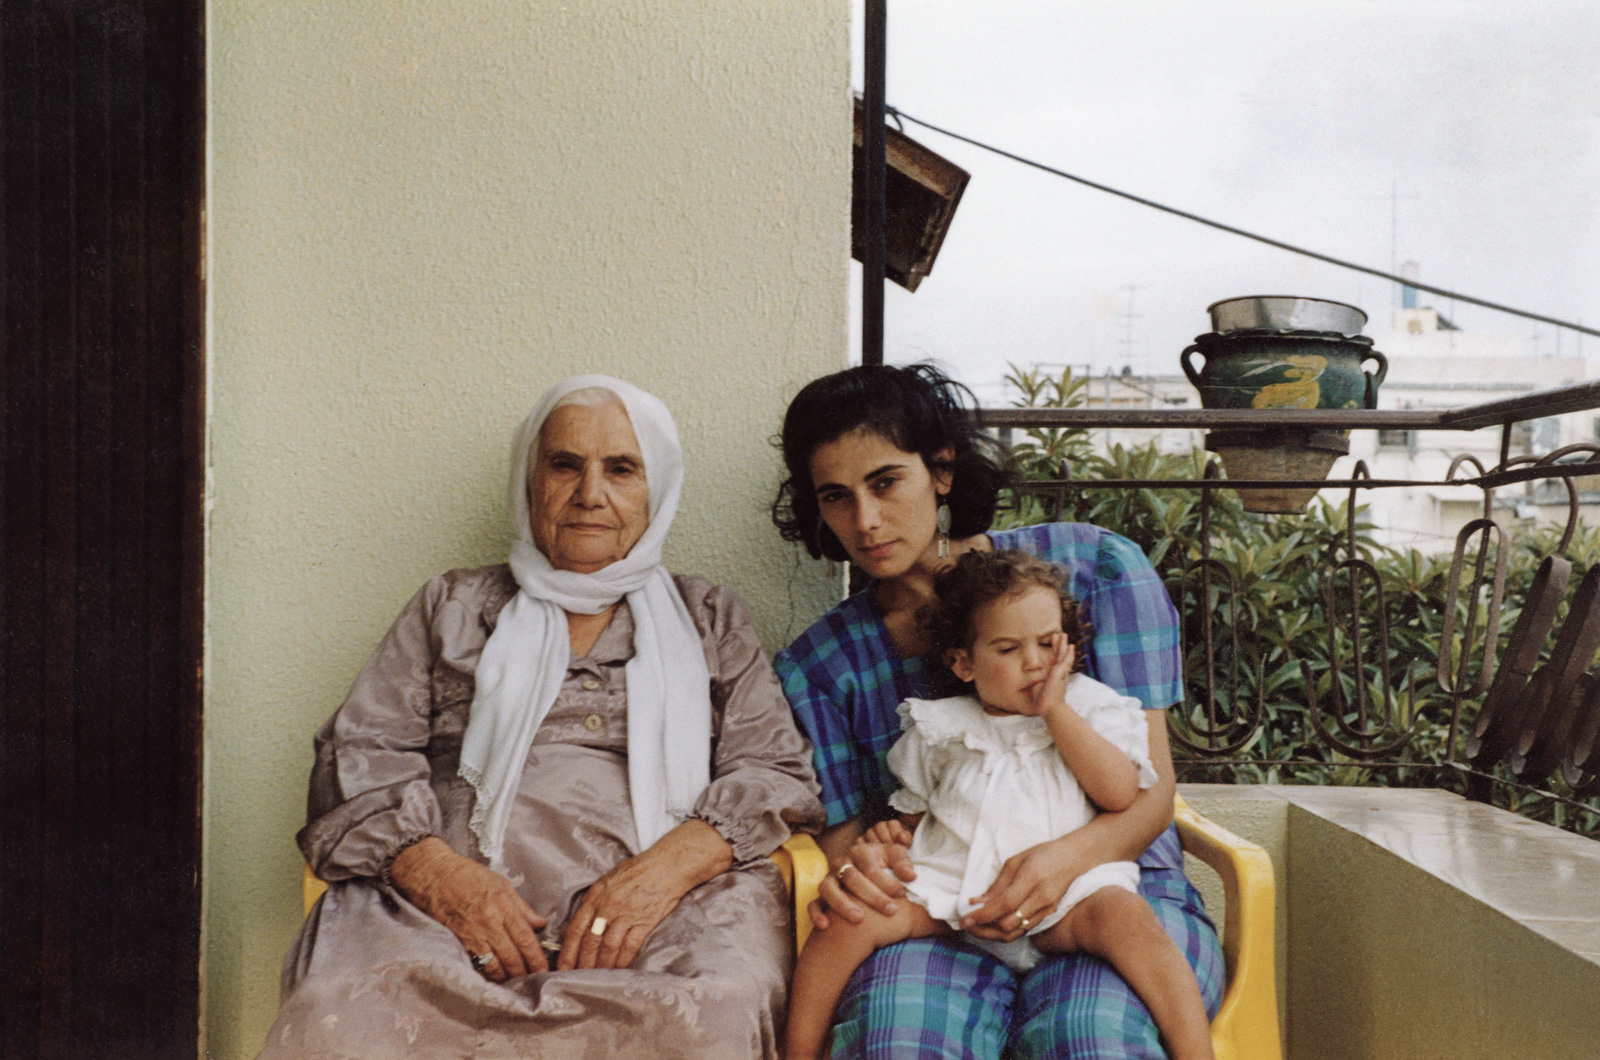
(1274, 627)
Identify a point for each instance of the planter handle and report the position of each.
(1188, 368)
(1374, 381)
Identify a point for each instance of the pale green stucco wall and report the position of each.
(419, 215)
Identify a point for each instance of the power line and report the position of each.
(1268, 240)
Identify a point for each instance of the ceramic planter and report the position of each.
(1284, 370)
(1266, 368)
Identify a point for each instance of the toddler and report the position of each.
(1024, 760)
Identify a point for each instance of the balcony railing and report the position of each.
(1512, 707)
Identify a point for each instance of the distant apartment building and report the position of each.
(1433, 365)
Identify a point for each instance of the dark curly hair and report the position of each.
(980, 578)
(915, 407)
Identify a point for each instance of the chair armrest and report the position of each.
(803, 865)
(311, 888)
(1249, 1012)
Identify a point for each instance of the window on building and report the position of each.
(1396, 438)
(1537, 437)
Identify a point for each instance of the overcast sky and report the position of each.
(1293, 118)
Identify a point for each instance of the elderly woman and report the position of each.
(546, 807)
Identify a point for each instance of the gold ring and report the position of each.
(1023, 922)
(598, 928)
(846, 867)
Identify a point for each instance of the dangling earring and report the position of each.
(942, 521)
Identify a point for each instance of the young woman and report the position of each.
(888, 469)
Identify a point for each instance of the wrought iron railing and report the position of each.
(1521, 712)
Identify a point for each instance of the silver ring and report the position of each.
(598, 928)
(846, 867)
(480, 961)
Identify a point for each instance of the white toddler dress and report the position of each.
(991, 787)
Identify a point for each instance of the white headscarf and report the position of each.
(525, 659)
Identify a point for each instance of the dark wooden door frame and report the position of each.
(102, 389)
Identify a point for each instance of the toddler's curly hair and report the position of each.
(980, 578)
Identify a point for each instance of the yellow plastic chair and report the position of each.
(1246, 1027)
(804, 866)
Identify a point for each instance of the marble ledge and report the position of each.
(1542, 877)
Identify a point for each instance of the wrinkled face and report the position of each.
(588, 503)
(880, 501)
(1012, 648)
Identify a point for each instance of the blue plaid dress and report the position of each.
(939, 997)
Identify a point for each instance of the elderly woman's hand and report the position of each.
(477, 904)
(637, 895)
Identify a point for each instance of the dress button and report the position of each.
(593, 723)
(590, 684)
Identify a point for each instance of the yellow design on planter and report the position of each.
(1301, 391)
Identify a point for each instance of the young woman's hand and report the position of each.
(872, 875)
(1029, 887)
